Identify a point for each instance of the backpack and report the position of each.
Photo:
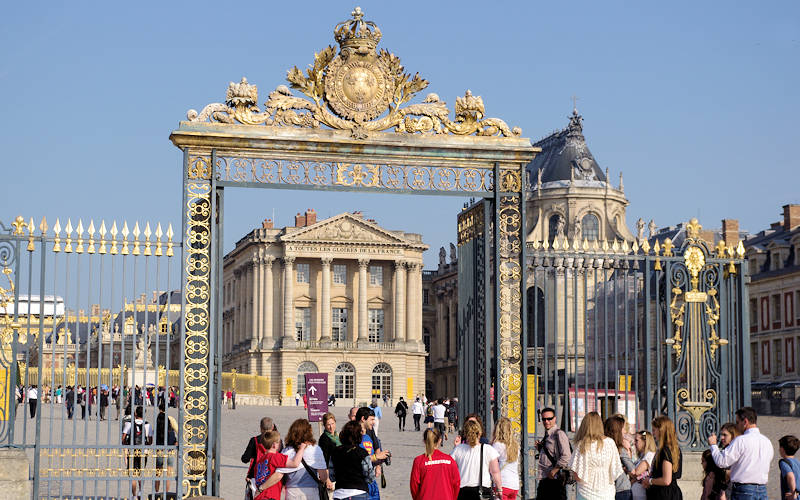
(429, 411)
(137, 434)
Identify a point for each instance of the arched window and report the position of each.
(382, 381)
(590, 228)
(552, 224)
(536, 315)
(344, 380)
(305, 367)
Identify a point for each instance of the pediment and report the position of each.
(344, 228)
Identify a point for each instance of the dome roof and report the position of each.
(565, 156)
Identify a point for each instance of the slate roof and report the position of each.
(778, 236)
(565, 156)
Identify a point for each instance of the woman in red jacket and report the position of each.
(434, 475)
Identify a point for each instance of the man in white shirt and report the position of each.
(438, 417)
(33, 399)
(416, 410)
(748, 457)
(137, 435)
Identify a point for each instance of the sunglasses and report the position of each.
(547, 419)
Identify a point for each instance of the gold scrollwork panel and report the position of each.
(197, 321)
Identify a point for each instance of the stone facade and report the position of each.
(340, 296)
(439, 323)
(774, 310)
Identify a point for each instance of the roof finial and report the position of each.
(574, 105)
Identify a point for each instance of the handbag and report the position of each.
(321, 488)
(250, 491)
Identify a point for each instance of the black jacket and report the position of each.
(348, 466)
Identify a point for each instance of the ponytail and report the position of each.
(431, 438)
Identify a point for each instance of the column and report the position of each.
(414, 303)
(363, 316)
(451, 337)
(256, 290)
(259, 299)
(268, 302)
(326, 298)
(400, 301)
(237, 315)
(288, 297)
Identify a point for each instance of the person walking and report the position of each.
(33, 399)
(595, 464)
(613, 428)
(554, 456)
(507, 446)
(352, 465)
(297, 399)
(416, 411)
(69, 401)
(378, 415)
(103, 403)
(748, 456)
(478, 464)
(401, 410)
(166, 434)
(439, 411)
(300, 484)
(646, 451)
(137, 433)
(667, 465)
(789, 467)
(434, 475)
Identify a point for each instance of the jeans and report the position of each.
(623, 495)
(749, 492)
(416, 421)
(373, 492)
(362, 496)
(401, 422)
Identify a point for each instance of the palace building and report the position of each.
(341, 296)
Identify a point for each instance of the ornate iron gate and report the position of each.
(642, 329)
(87, 312)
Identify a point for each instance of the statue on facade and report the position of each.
(640, 229)
(652, 228)
(442, 257)
(539, 177)
(143, 351)
(453, 254)
(560, 226)
(577, 230)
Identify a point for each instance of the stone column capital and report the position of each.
(288, 260)
(268, 260)
(362, 263)
(326, 260)
(400, 264)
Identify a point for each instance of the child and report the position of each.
(268, 484)
(789, 467)
(714, 480)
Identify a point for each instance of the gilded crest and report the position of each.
(359, 89)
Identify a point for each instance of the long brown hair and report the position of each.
(431, 437)
(472, 432)
(504, 433)
(612, 428)
(590, 431)
(732, 430)
(300, 432)
(667, 439)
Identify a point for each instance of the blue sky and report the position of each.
(695, 102)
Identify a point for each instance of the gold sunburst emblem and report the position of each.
(357, 88)
(695, 260)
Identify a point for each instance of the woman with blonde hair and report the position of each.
(595, 462)
(663, 484)
(646, 451)
(477, 464)
(505, 442)
(434, 475)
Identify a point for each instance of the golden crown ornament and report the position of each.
(359, 89)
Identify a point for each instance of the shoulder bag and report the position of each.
(483, 494)
(564, 475)
(323, 490)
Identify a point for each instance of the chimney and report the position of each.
(791, 217)
(266, 224)
(730, 231)
(358, 213)
(299, 220)
(311, 217)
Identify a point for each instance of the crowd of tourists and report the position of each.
(603, 461)
(94, 401)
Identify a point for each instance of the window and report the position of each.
(426, 297)
(789, 355)
(302, 323)
(426, 339)
(339, 324)
(753, 315)
(302, 273)
(590, 228)
(382, 381)
(305, 367)
(776, 311)
(344, 381)
(339, 274)
(788, 309)
(778, 357)
(753, 358)
(376, 325)
(797, 305)
(765, 358)
(376, 275)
